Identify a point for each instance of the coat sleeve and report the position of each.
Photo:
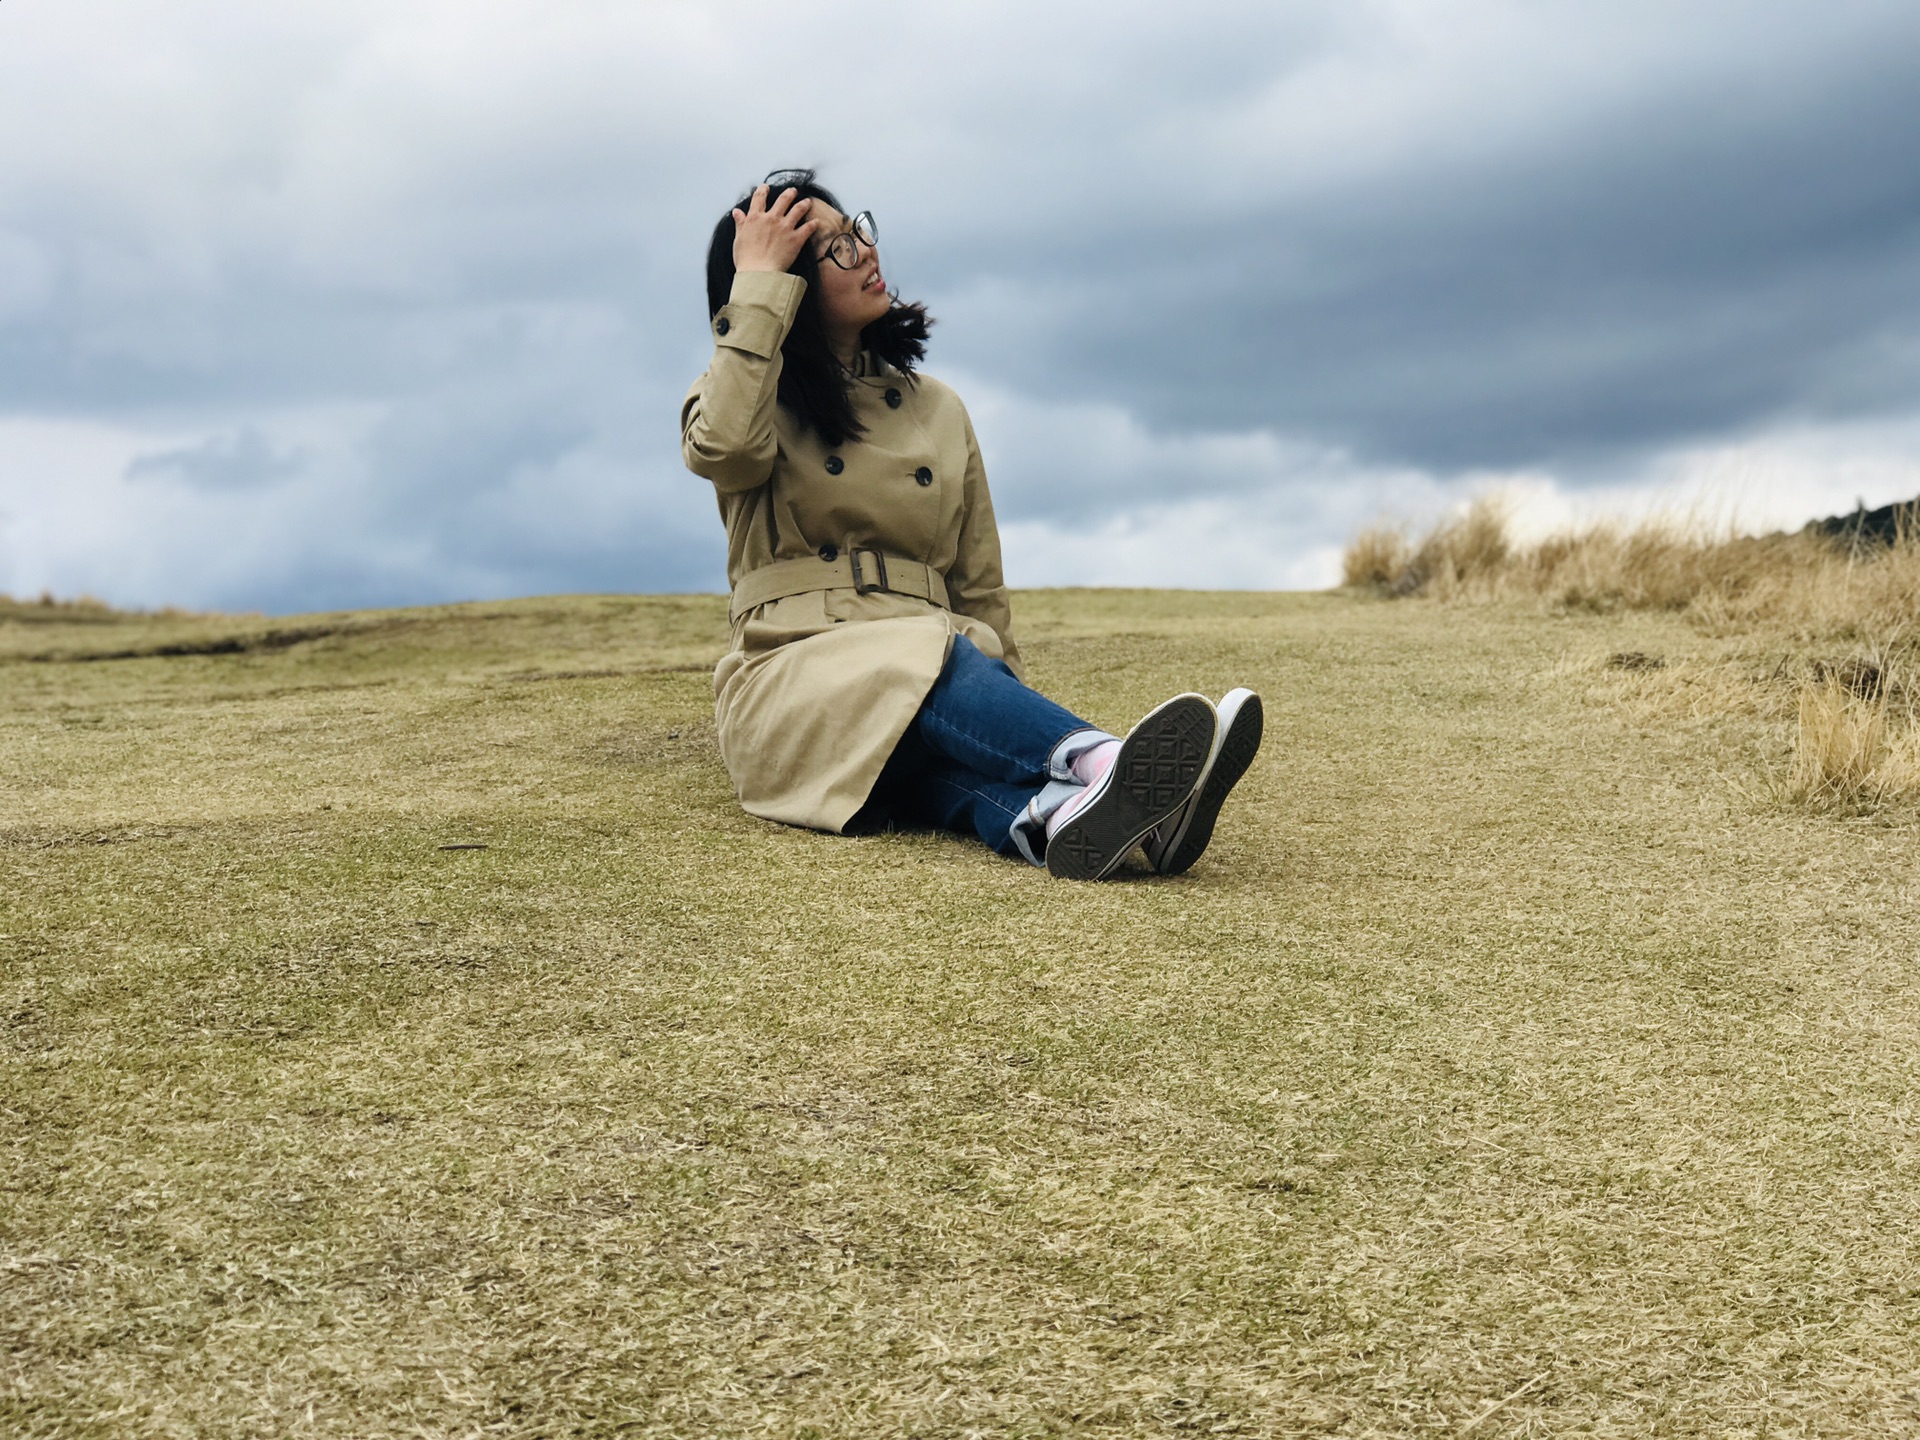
(726, 423)
(976, 585)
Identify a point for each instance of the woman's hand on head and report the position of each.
(768, 236)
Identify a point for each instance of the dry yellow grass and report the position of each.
(1804, 582)
(1850, 749)
(1839, 744)
(1803, 594)
(1502, 1070)
(49, 609)
(48, 606)
(1377, 556)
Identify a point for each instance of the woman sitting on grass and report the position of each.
(873, 674)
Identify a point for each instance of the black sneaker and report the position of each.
(1180, 840)
(1152, 777)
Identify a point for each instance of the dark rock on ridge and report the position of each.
(1866, 527)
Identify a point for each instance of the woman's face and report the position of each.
(850, 300)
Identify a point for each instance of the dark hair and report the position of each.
(813, 385)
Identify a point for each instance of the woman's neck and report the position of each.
(845, 347)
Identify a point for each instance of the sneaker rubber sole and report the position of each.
(1241, 725)
(1152, 777)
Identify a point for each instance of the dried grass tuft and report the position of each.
(48, 601)
(50, 609)
(1840, 739)
(1377, 556)
(1462, 556)
(1847, 751)
(1852, 747)
(1815, 584)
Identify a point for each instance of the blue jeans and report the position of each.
(981, 749)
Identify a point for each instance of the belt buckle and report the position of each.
(862, 585)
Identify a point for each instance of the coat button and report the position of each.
(893, 398)
(829, 553)
(835, 464)
(923, 475)
(723, 326)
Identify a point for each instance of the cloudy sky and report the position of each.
(309, 306)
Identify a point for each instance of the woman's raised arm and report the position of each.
(726, 423)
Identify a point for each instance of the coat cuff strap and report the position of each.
(758, 312)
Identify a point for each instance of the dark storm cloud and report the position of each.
(243, 460)
(1701, 263)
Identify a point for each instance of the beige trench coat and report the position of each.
(818, 687)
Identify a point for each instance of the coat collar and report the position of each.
(870, 368)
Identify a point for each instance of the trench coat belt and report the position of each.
(861, 570)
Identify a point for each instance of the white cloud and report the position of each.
(1249, 511)
(132, 516)
(1776, 480)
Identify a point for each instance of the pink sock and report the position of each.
(1089, 765)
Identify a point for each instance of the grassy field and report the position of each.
(1520, 1060)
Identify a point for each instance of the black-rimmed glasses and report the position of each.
(842, 250)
